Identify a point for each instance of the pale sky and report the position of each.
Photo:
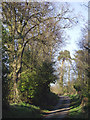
(75, 32)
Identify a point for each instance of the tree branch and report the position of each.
(87, 48)
(29, 30)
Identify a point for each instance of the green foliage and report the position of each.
(28, 85)
(44, 78)
(65, 55)
(34, 85)
(81, 82)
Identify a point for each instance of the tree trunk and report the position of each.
(16, 97)
(69, 79)
(61, 78)
(16, 77)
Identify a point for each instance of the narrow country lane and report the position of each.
(61, 109)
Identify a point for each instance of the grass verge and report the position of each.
(22, 110)
(77, 111)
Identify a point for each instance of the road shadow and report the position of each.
(61, 109)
